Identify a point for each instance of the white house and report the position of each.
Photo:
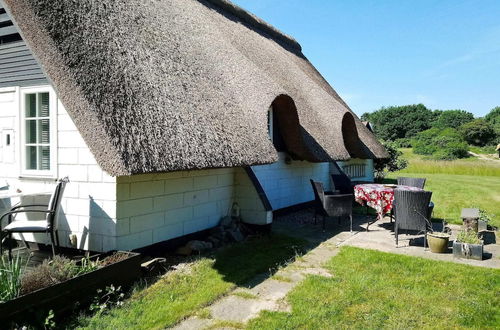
(163, 114)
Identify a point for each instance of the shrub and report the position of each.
(493, 117)
(391, 164)
(478, 132)
(403, 143)
(444, 144)
(49, 272)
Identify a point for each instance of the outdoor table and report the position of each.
(378, 197)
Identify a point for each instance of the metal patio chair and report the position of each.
(331, 205)
(47, 223)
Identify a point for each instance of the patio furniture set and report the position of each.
(406, 202)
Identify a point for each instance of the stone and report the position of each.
(236, 235)
(184, 251)
(226, 221)
(215, 241)
(199, 246)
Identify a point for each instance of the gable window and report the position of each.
(274, 131)
(38, 148)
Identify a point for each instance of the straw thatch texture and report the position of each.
(182, 84)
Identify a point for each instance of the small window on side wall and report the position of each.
(38, 121)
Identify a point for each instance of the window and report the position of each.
(270, 120)
(38, 147)
(274, 131)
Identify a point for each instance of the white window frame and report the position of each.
(52, 173)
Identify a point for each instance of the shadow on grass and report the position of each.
(240, 263)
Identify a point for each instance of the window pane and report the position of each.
(31, 158)
(44, 131)
(43, 104)
(31, 131)
(44, 161)
(30, 105)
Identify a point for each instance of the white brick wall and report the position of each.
(156, 207)
(88, 209)
(288, 184)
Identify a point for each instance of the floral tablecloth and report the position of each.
(377, 196)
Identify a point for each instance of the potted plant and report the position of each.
(468, 245)
(438, 240)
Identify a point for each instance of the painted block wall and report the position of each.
(252, 210)
(156, 207)
(369, 175)
(89, 201)
(288, 184)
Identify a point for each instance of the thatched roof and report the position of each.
(184, 84)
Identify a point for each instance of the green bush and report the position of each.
(441, 144)
(478, 132)
(391, 164)
(493, 117)
(403, 143)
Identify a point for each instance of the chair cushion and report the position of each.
(25, 226)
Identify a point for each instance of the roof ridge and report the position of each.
(254, 21)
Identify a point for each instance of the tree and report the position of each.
(478, 132)
(406, 121)
(452, 118)
(391, 164)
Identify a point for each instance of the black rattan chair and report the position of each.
(46, 224)
(412, 182)
(336, 205)
(412, 212)
(342, 183)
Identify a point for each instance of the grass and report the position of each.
(457, 184)
(181, 293)
(488, 150)
(468, 166)
(244, 294)
(451, 193)
(371, 289)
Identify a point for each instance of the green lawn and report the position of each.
(457, 184)
(182, 293)
(467, 166)
(371, 289)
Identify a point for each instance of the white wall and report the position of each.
(288, 184)
(157, 207)
(89, 202)
(368, 168)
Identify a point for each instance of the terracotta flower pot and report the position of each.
(438, 242)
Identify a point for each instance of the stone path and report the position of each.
(244, 304)
(264, 293)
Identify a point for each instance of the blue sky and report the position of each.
(444, 54)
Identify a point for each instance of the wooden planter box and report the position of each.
(82, 289)
(472, 251)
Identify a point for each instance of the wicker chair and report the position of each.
(412, 182)
(342, 183)
(412, 211)
(46, 224)
(331, 205)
